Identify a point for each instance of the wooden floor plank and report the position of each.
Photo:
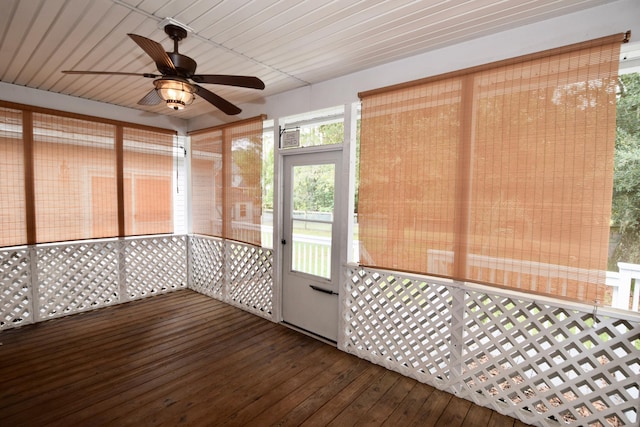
(477, 416)
(207, 400)
(106, 367)
(177, 368)
(274, 407)
(184, 358)
(408, 409)
(455, 412)
(357, 410)
(97, 321)
(431, 409)
(332, 408)
(388, 402)
(318, 393)
(99, 333)
(499, 420)
(92, 345)
(262, 383)
(96, 368)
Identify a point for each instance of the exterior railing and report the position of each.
(312, 255)
(624, 294)
(626, 286)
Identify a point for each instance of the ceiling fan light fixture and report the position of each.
(173, 85)
(176, 92)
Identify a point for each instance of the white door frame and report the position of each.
(346, 196)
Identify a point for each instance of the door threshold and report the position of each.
(309, 333)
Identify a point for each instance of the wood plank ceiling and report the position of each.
(286, 43)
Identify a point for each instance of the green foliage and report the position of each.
(246, 153)
(627, 249)
(314, 188)
(332, 133)
(628, 111)
(626, 189)
(326, 134)
(625, 211)
(268, 158)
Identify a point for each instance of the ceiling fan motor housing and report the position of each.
(184, 66)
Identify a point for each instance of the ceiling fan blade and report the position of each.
(155, 51)
(115, 73)
(222, 79)
(151, 98)
(221, 103)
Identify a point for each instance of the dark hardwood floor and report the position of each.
(186, 359)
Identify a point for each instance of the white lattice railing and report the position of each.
(539, 361)
(46, 281)
(16, 298)
(236, 273)
(542, 361)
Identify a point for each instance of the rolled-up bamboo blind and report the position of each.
(501, 174)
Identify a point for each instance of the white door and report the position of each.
(310, 270)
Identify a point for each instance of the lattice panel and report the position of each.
(76, 277)
(249, 275)
(401, 323)
(155, 265)
(15, 286)
(543, 363)
(206, 266)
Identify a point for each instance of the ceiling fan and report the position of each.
(177, 82)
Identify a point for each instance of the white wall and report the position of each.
(616, 17)
(71, 104)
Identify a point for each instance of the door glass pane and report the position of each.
(312, 219)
